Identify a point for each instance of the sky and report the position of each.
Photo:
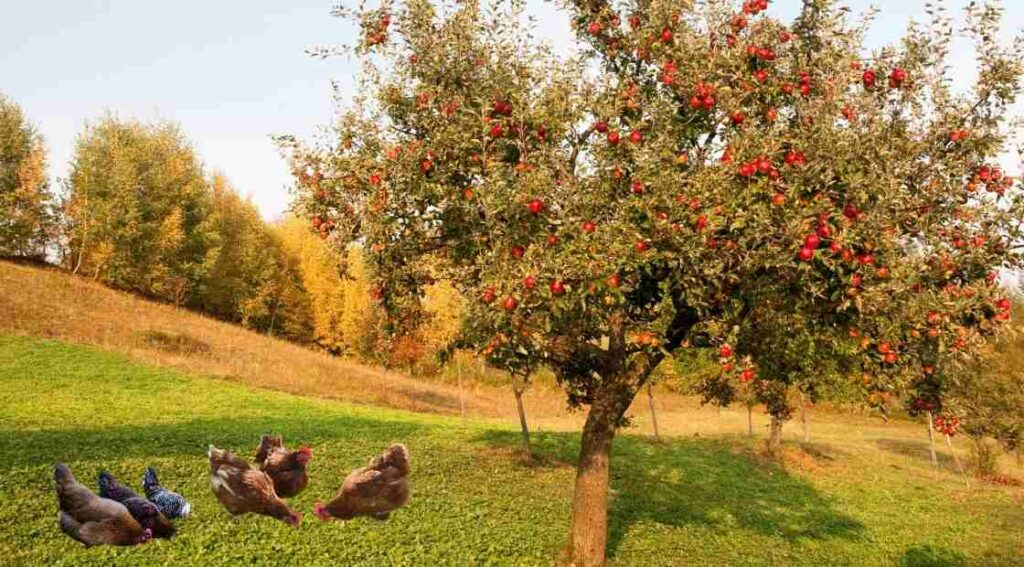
(232, 73)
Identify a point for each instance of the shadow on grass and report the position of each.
(918, 450)
(931, 556)
(698, 482)
(190, 439)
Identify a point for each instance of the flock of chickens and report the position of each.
(119, 516)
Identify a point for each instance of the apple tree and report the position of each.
(603, 208)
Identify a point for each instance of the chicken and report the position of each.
(170, 504)
(241, 489)
(145, 512)
(91, 519)
(286, 468)
(374, 490)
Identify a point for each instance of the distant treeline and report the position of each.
(139, 213)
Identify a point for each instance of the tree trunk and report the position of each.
(518, 389)
(931, 441)
(654, 413)
(462, 393)
(750, 421)
(589, 534)
(273, 316)
(803, 419)
(775, 437)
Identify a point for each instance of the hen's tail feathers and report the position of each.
(267, 444)
(150, 483)
(396, 456)
(62, 474)
(107, 483)
(63, 480)
(222, 457)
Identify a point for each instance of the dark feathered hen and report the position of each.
(244, 490)
(170, 504)
(145, 512)
(91, 519)
(286, 468)
(374, 490)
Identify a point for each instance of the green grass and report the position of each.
(692, 501)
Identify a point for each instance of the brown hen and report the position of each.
(286, 468)
(244, 490)
(374, 490)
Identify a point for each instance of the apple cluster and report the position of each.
(947, 425)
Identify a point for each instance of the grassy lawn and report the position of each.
(687, 501)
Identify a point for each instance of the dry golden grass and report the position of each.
(47, 302)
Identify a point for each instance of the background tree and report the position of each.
(249, 276)
(26, 215)
(361, 321)
(986, 400)
(607, 208)
(321, 270)
(136, 207)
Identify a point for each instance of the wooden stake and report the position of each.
(931, 440)
(654, 413)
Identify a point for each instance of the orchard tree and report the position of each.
(981, 396)
(26, 215)
(606, 208)
(780, 359)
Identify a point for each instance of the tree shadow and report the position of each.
(931, 556)
(699, 481)
(917, 450)
(189, 439)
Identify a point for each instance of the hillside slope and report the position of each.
(51, 303)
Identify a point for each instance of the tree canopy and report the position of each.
(26, 208)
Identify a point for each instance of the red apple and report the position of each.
(557, 287)
(489, 295)
(535, 206)
(897, 77)
(868, 78)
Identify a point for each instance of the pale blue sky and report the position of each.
(230, 72)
